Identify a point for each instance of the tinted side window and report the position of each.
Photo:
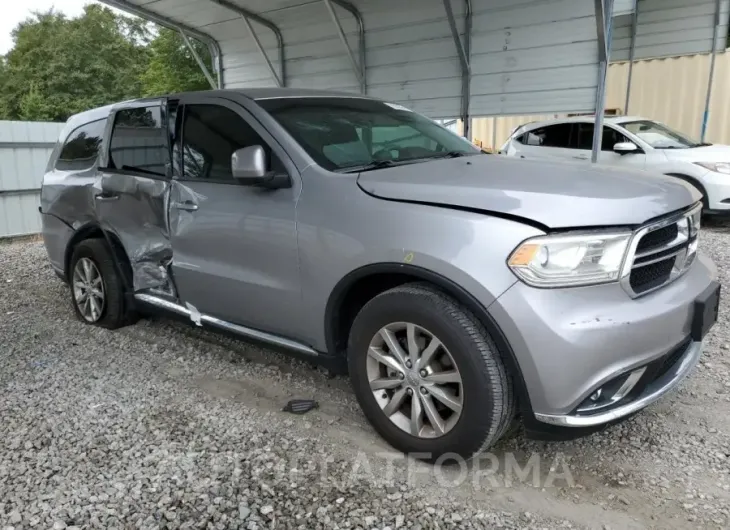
(139, 141)
(550, 136)
(585, 137)
(610, 138)
(210, 136)
(81, 149)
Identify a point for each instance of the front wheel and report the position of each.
(427, 375)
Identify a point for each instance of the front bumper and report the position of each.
(717, 186)
(651, 393)
(570, 342)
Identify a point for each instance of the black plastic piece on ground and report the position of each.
(300, 406)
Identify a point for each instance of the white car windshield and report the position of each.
(659, 136)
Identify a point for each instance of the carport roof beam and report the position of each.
(463, 57)
(171, 24)
(279, 79)
(198, 60)
(357, 66)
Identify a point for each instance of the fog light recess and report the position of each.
(611, 393)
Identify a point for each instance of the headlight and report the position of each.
(570, 260)
(717, 167)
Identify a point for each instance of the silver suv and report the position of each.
(462, 291)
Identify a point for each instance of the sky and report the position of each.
(14, 11)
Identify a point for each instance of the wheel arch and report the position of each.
(93, 230)
(357, 287)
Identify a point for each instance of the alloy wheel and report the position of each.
(88, 288)
(415, 380)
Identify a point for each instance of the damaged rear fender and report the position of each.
(93, 230)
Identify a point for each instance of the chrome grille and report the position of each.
(661, 252)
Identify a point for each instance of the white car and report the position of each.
(631, 142)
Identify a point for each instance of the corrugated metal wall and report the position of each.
(526, 54)
(670, 28)
(670, 90)
(533, 56)
(673, 90)
(24, 151)
(623, 7)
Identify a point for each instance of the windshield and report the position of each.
(343, 134)
(659, 136)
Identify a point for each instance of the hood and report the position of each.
(706, 153)
(553, 194)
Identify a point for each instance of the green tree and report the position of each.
(172, 67)
(3, 82)
(62, 66)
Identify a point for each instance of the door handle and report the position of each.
(581, 157)
(189, 206)
(106, 198)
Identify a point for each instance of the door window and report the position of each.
(139, 141)
(550, 136)
(211, 134)
(81, 149)
(584, 137)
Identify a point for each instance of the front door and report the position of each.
(234, 246)
(583, 147)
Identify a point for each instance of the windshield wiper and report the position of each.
(449, 154)
(375, 164)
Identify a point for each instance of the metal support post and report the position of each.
(358, 67)
(604, 19)
(463, 49)
(632, 54)
(708, 98)
(199, 60)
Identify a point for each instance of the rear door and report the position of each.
(235, 253)
(133, 188)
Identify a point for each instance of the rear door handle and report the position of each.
(581, 157)
(189, 206)
(106, 198)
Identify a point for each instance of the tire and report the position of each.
(113, 313)
(488, 400)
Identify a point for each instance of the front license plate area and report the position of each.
(706, 308)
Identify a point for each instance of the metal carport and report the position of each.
(444, 58)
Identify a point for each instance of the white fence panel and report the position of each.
(24, 151)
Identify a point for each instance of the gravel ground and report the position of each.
(160, 425)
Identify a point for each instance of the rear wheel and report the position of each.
(427, 375)
(97, 291)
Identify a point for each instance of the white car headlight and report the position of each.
(717, 167)
(570, 260)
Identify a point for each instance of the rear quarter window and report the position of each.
(80, 151)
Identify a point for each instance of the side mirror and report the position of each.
(625, 148)
(248, 165)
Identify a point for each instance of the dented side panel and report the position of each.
(129, 205)
(134, 208)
